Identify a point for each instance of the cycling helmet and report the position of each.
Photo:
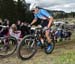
(32, 6)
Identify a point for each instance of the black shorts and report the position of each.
(44, 23)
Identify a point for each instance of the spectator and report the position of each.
(6, 23)
(24, 29)
(1, 30)
(14, 32)
(18, 24)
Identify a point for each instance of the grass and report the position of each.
(68, 57)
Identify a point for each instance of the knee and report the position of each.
(47, 33)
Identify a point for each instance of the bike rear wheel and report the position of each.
(27, 48)
(8, 50)
(52, 45)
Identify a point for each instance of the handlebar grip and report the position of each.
(3, 26)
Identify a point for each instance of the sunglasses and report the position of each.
(32, 10)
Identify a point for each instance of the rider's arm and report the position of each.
(50, 22)
(34, 20)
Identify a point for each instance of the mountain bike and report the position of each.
(29, 45)
(8, 44)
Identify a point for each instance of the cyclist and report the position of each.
(46, 20)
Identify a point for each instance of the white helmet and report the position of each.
(32, 6)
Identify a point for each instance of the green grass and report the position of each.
(68, 57)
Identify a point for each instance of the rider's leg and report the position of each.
(47, 34)
(41, 39)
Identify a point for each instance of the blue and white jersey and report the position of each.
(42, 14)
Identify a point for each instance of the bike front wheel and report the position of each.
(27, 47)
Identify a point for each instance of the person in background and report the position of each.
(6, 22)
(3, 32)
(14, 32)
(1, 29)
(18, 24)
(24, 29)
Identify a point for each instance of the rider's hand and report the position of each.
(29, 25)
(39, 26)
(45, 28)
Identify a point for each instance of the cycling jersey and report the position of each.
(42, 14)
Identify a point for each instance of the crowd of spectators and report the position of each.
(17, 29)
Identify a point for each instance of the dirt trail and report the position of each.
(42, 58)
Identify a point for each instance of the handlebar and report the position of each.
(36, 27)
(3, 26)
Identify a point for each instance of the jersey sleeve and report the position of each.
(45, 13)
